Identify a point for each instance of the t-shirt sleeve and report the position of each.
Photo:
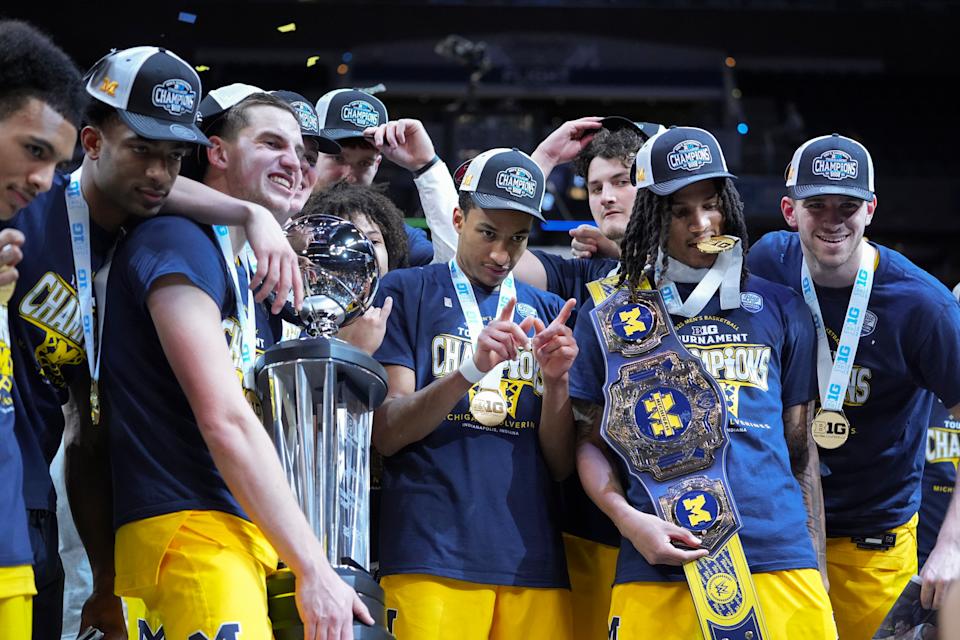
(587, 375)
(419, 246)
(399, 342)
(766, 256)
(935, 356)
(171, 245)
(798, 376)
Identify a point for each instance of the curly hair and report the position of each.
(618, 144)
(649, 231)
(347, 201)
(32, 66)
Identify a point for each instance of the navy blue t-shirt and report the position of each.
(762, 355)
(907, 356)
(939, 477)
(46, 334)
(467, 502)
(419, 246)
(159, 460)
(568, 278)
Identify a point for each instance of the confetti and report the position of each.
(312, 60)
(189, 18)
(287, 28)
(201, 68)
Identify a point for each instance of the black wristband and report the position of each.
(422, 170)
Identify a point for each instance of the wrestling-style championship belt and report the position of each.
(666, 417)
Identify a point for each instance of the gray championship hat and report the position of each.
(505, 179)
(345, 113)
(155, 92)
(678, 157)
(830, 165)
(309, 122)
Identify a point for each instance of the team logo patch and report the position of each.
(182, 132)
(525, 310)
(663, 414)
(869, 323)
(689, 155)
(752, 302)
(722, 588)
(518, 182)
(306, 116)
(174, 96)
(835, 165)
(361, 113)
(109, 86)
(632, 322)
(696, 510)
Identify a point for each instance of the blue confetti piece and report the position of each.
(189, 18)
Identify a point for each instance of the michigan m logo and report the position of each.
(631, 321)
(663, 422)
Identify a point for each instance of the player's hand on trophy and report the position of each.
(553, 346)
(654, 539)
(940, 572)
(103, 611)
(565, 142)
(500, 340)
(367, 331)
(587, 242)
(10, 242)
(405, 142)
(327, 606)
(277, 268)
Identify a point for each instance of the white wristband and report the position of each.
(469, 371)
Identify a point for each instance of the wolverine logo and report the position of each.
(52, 305)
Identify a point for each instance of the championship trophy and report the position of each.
(318, 395)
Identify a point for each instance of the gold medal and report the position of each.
(95, 402)
(830, 429)
(488, 407)
(717, 244)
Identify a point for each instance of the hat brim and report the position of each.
(324, 144)
(811, 190)
(672, 186)
(487, 201)
(156, 129)
(341, 134)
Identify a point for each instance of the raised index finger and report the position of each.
(565, 312)
(507, 313)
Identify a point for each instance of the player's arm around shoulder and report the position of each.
(188, 323)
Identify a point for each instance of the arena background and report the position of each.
(763, 76)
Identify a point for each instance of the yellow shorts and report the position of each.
(17, 589)
(864, 584)
(592, 567)
(423, 607)
(794, 604)
(196, 571)
(16, 617)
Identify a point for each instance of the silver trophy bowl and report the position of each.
(318, 395)
(339, 267)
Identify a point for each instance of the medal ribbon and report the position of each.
(78, 213)
(723, 275)
(471, 313)
(833, 375)
(243, 354)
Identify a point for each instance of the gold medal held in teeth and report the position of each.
(830, 429)
(717, 244)
(488, 407)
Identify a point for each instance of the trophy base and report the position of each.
(282, 605)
